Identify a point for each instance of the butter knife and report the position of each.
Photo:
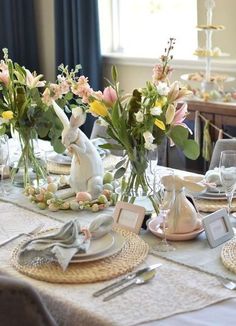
(125, 279)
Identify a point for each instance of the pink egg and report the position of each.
(83, 196)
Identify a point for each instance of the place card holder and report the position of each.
(129, 216)
(218, 228)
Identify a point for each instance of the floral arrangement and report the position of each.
(138, 122)
(23, 109)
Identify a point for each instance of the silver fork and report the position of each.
(32, 232)
(227, 284)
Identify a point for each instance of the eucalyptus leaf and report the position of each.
(120, 164)
(111, 146)
(57, 146)
(191, 149)
(119, 173)
(179, 135)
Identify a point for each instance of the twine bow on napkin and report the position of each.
(61, 245)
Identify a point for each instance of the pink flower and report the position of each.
(4, 77)
(46, 98)
(82, 89)
(109, 95)
(4, 73)
(179, 117)
(159, 74)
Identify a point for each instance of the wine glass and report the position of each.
(228, 174)
(164, 195)
(4, 156)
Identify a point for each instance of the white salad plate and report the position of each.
(119, 242)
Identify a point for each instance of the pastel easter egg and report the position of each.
(83, 196)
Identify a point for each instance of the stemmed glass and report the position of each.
(164, 195)
(228, 174)
(4, 156)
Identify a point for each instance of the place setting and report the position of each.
(221, 184)
(75, 254)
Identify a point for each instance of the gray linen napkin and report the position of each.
(60, 246)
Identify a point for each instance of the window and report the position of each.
(141, 28)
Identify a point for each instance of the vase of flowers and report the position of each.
(24, 112)
(141, 121)
(138, 122)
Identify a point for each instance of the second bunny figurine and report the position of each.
(86, 172)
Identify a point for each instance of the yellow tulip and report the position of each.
(98, 108)
(7, 115)
(160, 124)
(161, 102)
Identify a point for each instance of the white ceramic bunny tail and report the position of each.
(86, 172)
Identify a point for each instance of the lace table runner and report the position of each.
(175, 289)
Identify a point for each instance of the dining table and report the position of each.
(185, 290)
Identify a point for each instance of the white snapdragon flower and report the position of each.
(156, 110)
(162, 88)
(139, 116)
(150, 146)
(147, 135)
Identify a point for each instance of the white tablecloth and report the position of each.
(173, 286)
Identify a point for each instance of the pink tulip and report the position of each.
(109, 95)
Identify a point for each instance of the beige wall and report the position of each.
(45, 29)
(134, 73)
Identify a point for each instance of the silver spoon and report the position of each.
(227, 284)
(143, 278)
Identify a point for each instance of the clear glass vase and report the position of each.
(28, 167)
(137, 187)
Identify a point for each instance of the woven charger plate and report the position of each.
(228, 255)
(204, 205)
(132, 254)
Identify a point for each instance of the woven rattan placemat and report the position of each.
(204, 205)
(228, 255)
(132, 254)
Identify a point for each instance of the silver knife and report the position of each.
(125, 279)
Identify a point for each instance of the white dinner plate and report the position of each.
(98, 246)
(119, 242)
(59, 158)
(213, 195)
(154, 227)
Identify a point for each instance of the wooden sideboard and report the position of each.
(222, 115)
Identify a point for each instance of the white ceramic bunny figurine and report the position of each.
(183, 217)
(86, 172)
